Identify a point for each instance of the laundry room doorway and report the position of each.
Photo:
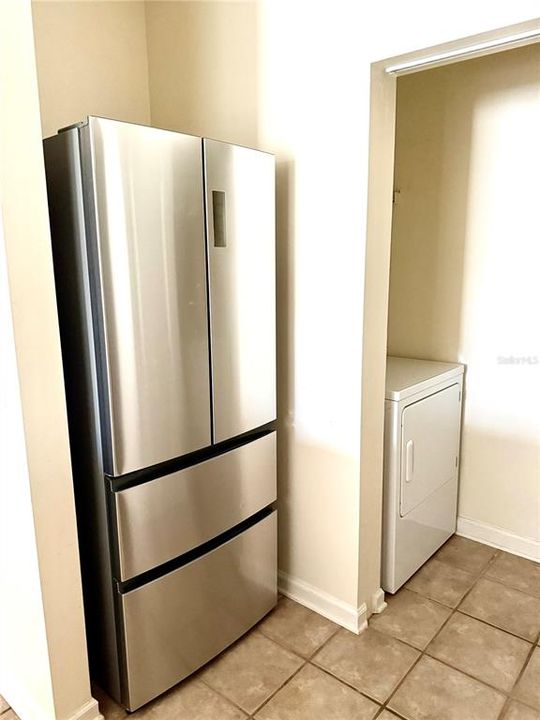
(450, 252)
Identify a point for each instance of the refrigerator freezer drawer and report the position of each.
(166, 517)
(177, 623)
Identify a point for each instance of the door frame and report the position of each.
(384, 74)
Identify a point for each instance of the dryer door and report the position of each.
(429, 445)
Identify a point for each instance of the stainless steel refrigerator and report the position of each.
(164, 260)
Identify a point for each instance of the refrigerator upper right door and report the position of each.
(240, 216)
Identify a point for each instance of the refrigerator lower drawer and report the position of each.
(166, 517)
(176, 623)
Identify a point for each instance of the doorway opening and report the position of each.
(451, 206)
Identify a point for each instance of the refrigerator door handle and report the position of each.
(219, 216)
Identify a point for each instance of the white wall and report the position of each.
(465, 258)
(91, 60)
(43, 669)
(314, 113)
(21, 588)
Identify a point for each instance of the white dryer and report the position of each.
(421, 463)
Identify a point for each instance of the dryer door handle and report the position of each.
(409, 461)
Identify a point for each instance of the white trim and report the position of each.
(463, 52)
(497, 537)
(342, 613)
(378, 603)
(21, 701)
(88, 711)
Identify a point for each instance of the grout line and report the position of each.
(492, 579)
(306, 661)
(511, 697)
(426, 597)
(308, 657)
(522, 672)
(400, 683)
(495, 627)
(329, 672)
(394, 712)
(424, 653)
(281, 686)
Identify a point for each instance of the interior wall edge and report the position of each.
(44, 498)
(375, 314)
(349, 616)
(466, 183)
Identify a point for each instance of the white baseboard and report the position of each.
(342, 613)
(378, 603)
(28, 709)
(499, 538)
(89, 711)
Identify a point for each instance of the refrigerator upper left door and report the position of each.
(144, 197)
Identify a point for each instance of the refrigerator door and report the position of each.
(148, 268)
(240, 218)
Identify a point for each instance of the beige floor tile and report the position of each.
(3, 705)
(411, 617)
(504, 607)
(517, 711)
(433, 691)
(371, 662)
(465, 554)
(297, 627)
(516, 571)
(386, 715)
(528, 687)
(189, 700)
(250, 671)
(313, 695)
(488, 654)
(107, 706)
(10, 715)
(441, 582)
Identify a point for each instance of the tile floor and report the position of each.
(459, 642)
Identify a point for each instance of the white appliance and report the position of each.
(421, 463)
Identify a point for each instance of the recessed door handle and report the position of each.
(220, 218)
(409, 461)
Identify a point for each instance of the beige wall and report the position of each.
(464, 272)
(44, 670)
(203, 68)
(91, 60)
